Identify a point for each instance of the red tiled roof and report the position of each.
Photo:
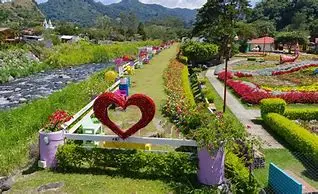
(268, 40)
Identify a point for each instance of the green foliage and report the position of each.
(186, 86)
(20, 14)
(216, 22)
(196, 51)
(272, 105)
(83, 52)
(183, 59)
(173, 165)
(296, 136)
(25, 122)
(306, 114)
(17, 64)
(291, 38)
(208, 94)
(239, 175)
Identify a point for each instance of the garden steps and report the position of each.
(246, 116)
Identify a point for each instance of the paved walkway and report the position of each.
(246, 116)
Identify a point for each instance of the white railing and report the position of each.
(85, 113)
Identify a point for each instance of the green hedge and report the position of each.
(19, 127)
(272, 105)
(301, 113)
(239, 175)
(196, 51)
(296, 136)
(175, 165)
(186, 86)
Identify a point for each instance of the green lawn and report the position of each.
(89, 183)
(147, 81)
(287, 161)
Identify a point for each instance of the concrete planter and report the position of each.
(211, 168)
(49, 143)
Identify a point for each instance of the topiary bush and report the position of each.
(272, 105)
(196, 51)
(183, 59)
(296, 136)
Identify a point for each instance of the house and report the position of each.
(8, 35)
(264, 43)
(66, 38)
(30, 38)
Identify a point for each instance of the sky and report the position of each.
(191, 4)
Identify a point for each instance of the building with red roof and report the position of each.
(262, 43)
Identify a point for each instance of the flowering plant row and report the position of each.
(251, 93)
(281, 72)
(310, 88)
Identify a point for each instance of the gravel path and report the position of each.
(43, 84)
(246, 116)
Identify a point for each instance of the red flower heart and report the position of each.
(143, 102)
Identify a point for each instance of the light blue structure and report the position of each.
(281, 182)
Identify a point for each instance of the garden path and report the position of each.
(43, 84)
(246, 116)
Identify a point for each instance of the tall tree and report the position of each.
(216, 21)
(141, 31)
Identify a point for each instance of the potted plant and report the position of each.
(51, 136)
(212, 140)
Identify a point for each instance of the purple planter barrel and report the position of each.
(49, 143)
(211, 168)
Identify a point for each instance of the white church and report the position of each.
(48, 25)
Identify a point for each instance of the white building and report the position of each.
(48, 25)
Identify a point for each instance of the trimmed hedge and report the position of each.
(186, 86)
(296, 136)
(175, 165)
(272, 105)
(301, 113)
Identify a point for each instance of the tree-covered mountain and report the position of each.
(85, 12)
(16, 13)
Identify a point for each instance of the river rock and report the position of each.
(22, 100)
(17, 89)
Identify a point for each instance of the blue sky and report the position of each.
(192, 4)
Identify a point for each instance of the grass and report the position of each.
(19, 127)
(88, 183)
(218, 101)
(287, 160)
(252, 66)
(147, 81)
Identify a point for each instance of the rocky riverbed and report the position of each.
(40, 85)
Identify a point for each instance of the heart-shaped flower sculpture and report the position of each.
(143, 102)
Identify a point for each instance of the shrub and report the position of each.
(175, 165)
(239, 175)
(296, 136)
(302, 113)
(272, 105)
(183, 59)
(186, 86)
(196, 51)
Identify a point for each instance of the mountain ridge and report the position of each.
(84, 12)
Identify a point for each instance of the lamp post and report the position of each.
(227, 57)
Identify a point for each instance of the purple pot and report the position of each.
(49, 143)
(211, 168)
